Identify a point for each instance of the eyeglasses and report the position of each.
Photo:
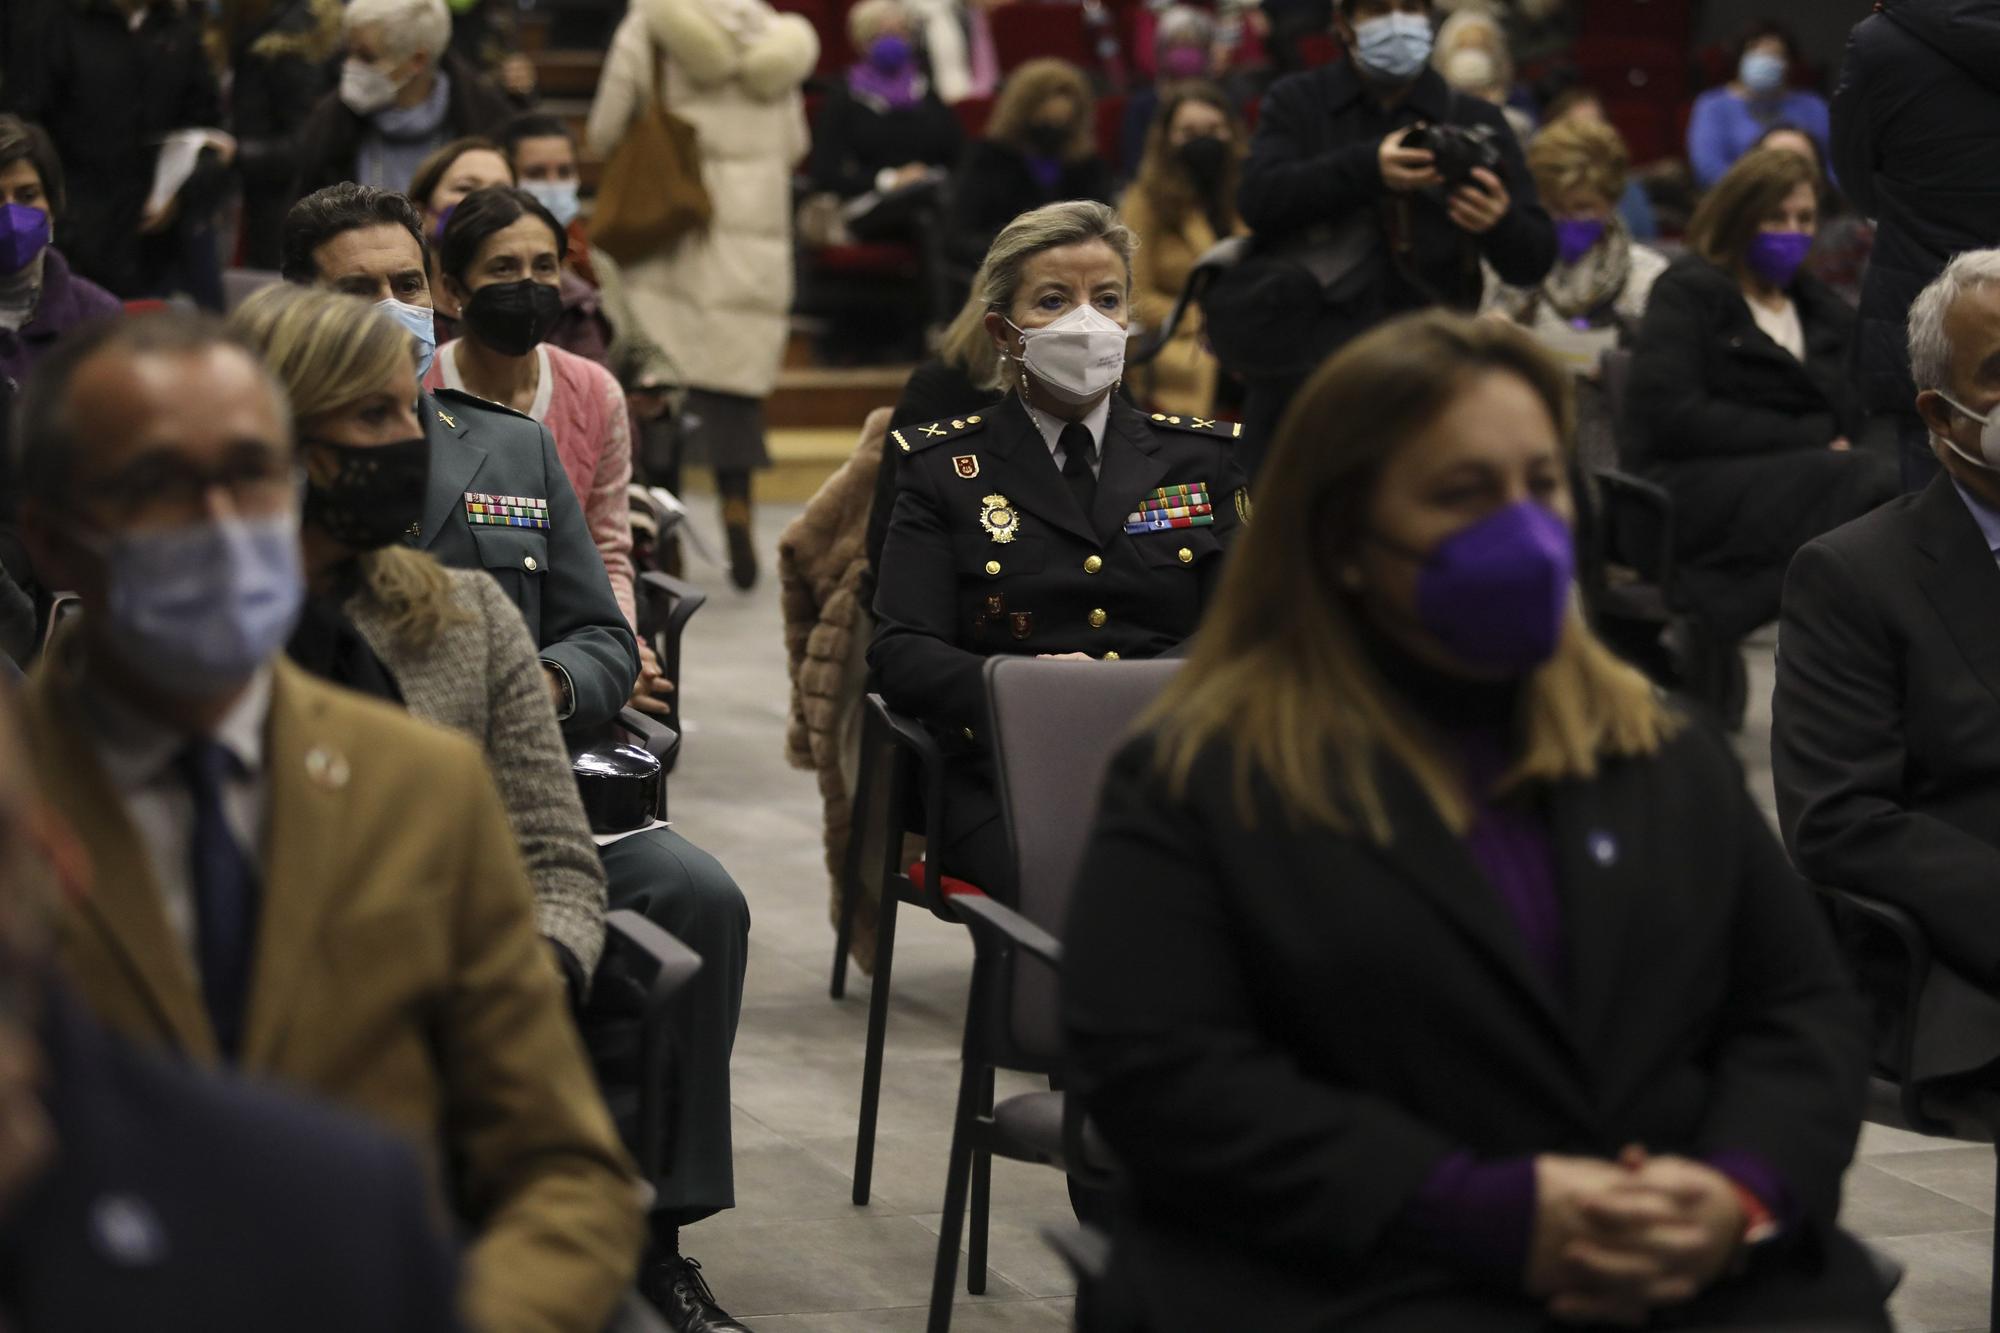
(165, 491)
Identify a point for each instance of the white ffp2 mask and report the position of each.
(1989, 435)
(364, 88)
(1077, 358)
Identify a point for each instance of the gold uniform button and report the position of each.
(972, 421)
(528, 563)
(1093, 563)
(1097, 618)
(1111, 657)
(1159, 416)
(968, 733)
(992, 566)
(1186, 556)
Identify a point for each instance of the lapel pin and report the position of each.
(127, 1231)
(1603, 848)
(326, 767)
(446, 419)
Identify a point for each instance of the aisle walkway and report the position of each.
(796, 1255)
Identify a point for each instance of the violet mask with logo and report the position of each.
(890, 53)
(1577, 237)
(1184, 62)
(1496, 594)
(24, 233)
(1775, 256)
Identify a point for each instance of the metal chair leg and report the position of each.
(945, 1280)
(982, 1190)
(871, 1063)
(1993, 1290)
(843, 936)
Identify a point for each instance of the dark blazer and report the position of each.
(1885, 735)
(332, 133)
(993, 186)
(855, 137)
(1707, 381)
(181, 1202)
(1313, 161)
(272, 92)
(553, 573)
(67, 300)
(1282, 1031)
(1919, 84)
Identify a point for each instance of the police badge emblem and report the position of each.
(997, 516)
(966, 465)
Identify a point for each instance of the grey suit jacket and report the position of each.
(481, 677)
(549, 568)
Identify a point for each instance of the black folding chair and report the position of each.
(900, 762)
(1055, 726)
(666, 604)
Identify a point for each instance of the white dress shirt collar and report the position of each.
(1051, 428)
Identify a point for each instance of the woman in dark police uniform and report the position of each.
(1427, 971)
(1058, 522)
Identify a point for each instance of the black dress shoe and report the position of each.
(678, 1291)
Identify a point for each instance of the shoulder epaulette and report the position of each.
(1221, 430)
(912, 439)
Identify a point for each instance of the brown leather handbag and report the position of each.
(652, 196)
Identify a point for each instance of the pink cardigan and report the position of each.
(584, 409)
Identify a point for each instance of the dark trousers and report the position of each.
(686, 892)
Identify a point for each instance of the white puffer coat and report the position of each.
(717, 304)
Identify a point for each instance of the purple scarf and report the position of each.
(895, 92)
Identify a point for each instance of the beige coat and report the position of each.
(719, 304)
(822, 559)
(398, 973)
(1182, 378)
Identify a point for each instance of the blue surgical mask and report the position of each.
(1395, 47)
(197, 610)
(559, 197)
(417, 319)
(1761, 72)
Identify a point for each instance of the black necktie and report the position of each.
(225, 895)
(1079, 451)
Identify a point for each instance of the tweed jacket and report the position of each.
(397, 972)
(483, 678)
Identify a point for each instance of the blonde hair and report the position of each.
(1072, 222)
(1278, 673)
(1578, 154)
(1733, 211)
(1034, 83)
(330, 350)
(866, 20)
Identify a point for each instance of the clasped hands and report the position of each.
(1615, 1241)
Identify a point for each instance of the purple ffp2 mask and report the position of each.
(1496, 594)
(1775, 256)
(24, 233)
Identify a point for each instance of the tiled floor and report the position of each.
(796, 1256)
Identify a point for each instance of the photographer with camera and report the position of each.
(1388, 187)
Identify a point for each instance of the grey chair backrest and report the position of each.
(1055, 726)
(240, 284)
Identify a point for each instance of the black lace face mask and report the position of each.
(372, 495)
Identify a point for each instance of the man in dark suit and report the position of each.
(370, 243)
(1885, 741)
(1059, 522)
(139, 1193)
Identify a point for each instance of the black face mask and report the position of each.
(376, 492)
(1206, 161)
(511, 317)
(1048, 140)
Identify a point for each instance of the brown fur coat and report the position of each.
(822, 558)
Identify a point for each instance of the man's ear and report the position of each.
(1936, 412)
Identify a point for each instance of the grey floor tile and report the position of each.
(1883, 1141)
(1878, 1206)
(1005, 1317)
(1963, 1173)
(1016, 1251)
(807, 1267)
(1946, 1283)
(909, 1173)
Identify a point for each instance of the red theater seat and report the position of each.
(972, 113)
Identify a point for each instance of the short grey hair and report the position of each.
(1184, 25)
(407, 26)
(1930, 349)
(866, 20)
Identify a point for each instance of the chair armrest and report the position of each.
(674, 965)
(1622, 488)
(687, 599)
(995, 925)
(1916, 949)
(649, 733)
(914, 739)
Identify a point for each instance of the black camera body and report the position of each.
(1458, 149)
